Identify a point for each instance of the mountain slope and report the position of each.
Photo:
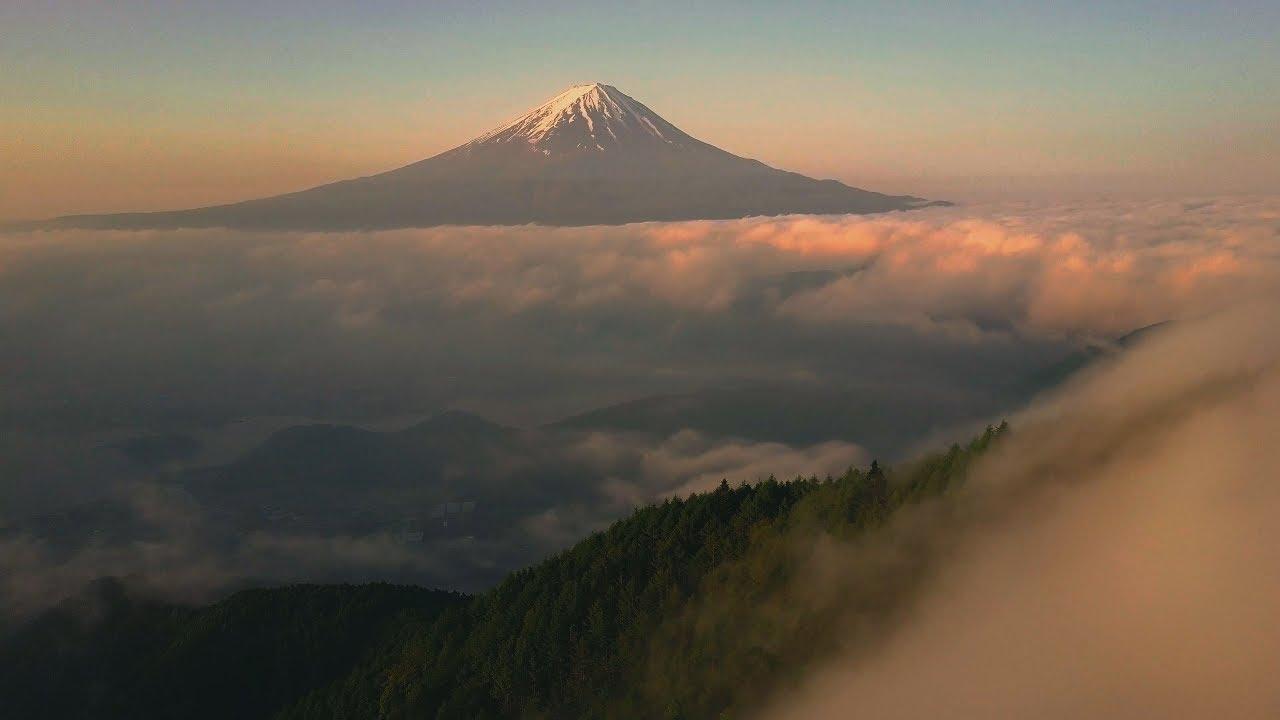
(695, 608)
(590, 155)
(113, 653)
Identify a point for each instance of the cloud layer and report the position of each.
(534, 323)
(934, 319)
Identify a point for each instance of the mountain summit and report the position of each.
(588, 117)
(590, 155)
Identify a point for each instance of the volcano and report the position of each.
(590, 155)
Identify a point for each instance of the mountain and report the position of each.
(114, 651)
(885, 420)
(1091, 354)
(590, 155)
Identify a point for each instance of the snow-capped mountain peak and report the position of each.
(591, 116)
(590, 155)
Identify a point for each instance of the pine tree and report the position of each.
(878, 486)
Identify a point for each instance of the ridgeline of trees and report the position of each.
(699, 607)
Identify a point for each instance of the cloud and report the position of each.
(689, 461)
(1056, 270)
(632, 470)
(531, 323)
(1113, 559)
(949, 311)
(177, 549)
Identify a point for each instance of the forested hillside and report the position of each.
(696, 608)
(111, 652)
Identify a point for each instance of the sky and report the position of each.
(141, 105)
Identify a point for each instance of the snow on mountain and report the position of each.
(593, 116)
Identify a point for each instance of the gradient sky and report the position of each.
(137, 105)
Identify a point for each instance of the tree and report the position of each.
(878, 486)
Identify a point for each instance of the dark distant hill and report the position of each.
(112, 652)
(881, 419)
(591, 155)
(454, 491)
(1054, 375)
(887, 420)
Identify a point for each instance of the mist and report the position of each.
(1113, 558)
(193, 542)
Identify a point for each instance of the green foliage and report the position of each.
(692, 606)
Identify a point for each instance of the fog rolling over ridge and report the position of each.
(1114, 558)
(590, 155)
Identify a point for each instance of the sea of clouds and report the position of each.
(532, 323)
(107, 334)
